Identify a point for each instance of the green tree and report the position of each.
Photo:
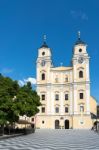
(8, 89)
(27, 100)
(16, 101)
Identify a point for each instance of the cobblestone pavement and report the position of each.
(54, 140)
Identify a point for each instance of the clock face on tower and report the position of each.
(80, 60)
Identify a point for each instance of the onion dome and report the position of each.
(79, 41)
(44, 45)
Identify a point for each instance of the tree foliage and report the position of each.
(16, 100)
(28, 100)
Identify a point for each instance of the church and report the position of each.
(64, 91)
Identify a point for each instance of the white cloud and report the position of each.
(21, 83)
(32, 80)
(79, 15)
(29, 79)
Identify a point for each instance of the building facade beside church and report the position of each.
(64, 91)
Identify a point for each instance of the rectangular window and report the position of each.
(81, 95)
(57, 97)
(66, 109)
(43, 76)
(43, 110)
(57, 109)
(43, 97)
(80, 74)
(66, 96)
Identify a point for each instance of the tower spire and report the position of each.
(44, 38)
(79, 35)
(79, 41)
(44, 42)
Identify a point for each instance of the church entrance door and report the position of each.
(66, 124)
(56, 124)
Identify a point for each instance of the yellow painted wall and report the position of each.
(93, 105)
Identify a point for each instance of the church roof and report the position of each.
(61, 68)
(79, 41)
(44, 45)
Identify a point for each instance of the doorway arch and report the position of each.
(56, 124)
(66, 124)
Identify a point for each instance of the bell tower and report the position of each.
(81, 76)
(80, 59)
(44, 63)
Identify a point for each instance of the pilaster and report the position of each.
(75, 99)
(88, 98)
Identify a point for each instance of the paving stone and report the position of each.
(53, 140)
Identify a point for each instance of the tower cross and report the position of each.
(44, 38)
(79, 34)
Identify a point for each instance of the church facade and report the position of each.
(64, 91)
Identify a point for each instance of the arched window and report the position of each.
(43, 76)
(80, 74)
(57, 124)
(43, 109)
(43, 97)
(57, 109)
(81, 96)
(56, 97)
(66, 109)
(66, 96)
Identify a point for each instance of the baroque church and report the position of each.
(64, 91)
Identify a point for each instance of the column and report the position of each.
(75, 99)
(87, 70)
(71, 76)
(88, 98)
(71, 100)
(48, 101)
(52, 102)
(38, 75)
(48, 75)
(61, 102)
(38, 92)
(75, 71)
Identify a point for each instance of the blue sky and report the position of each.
(24, 22)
